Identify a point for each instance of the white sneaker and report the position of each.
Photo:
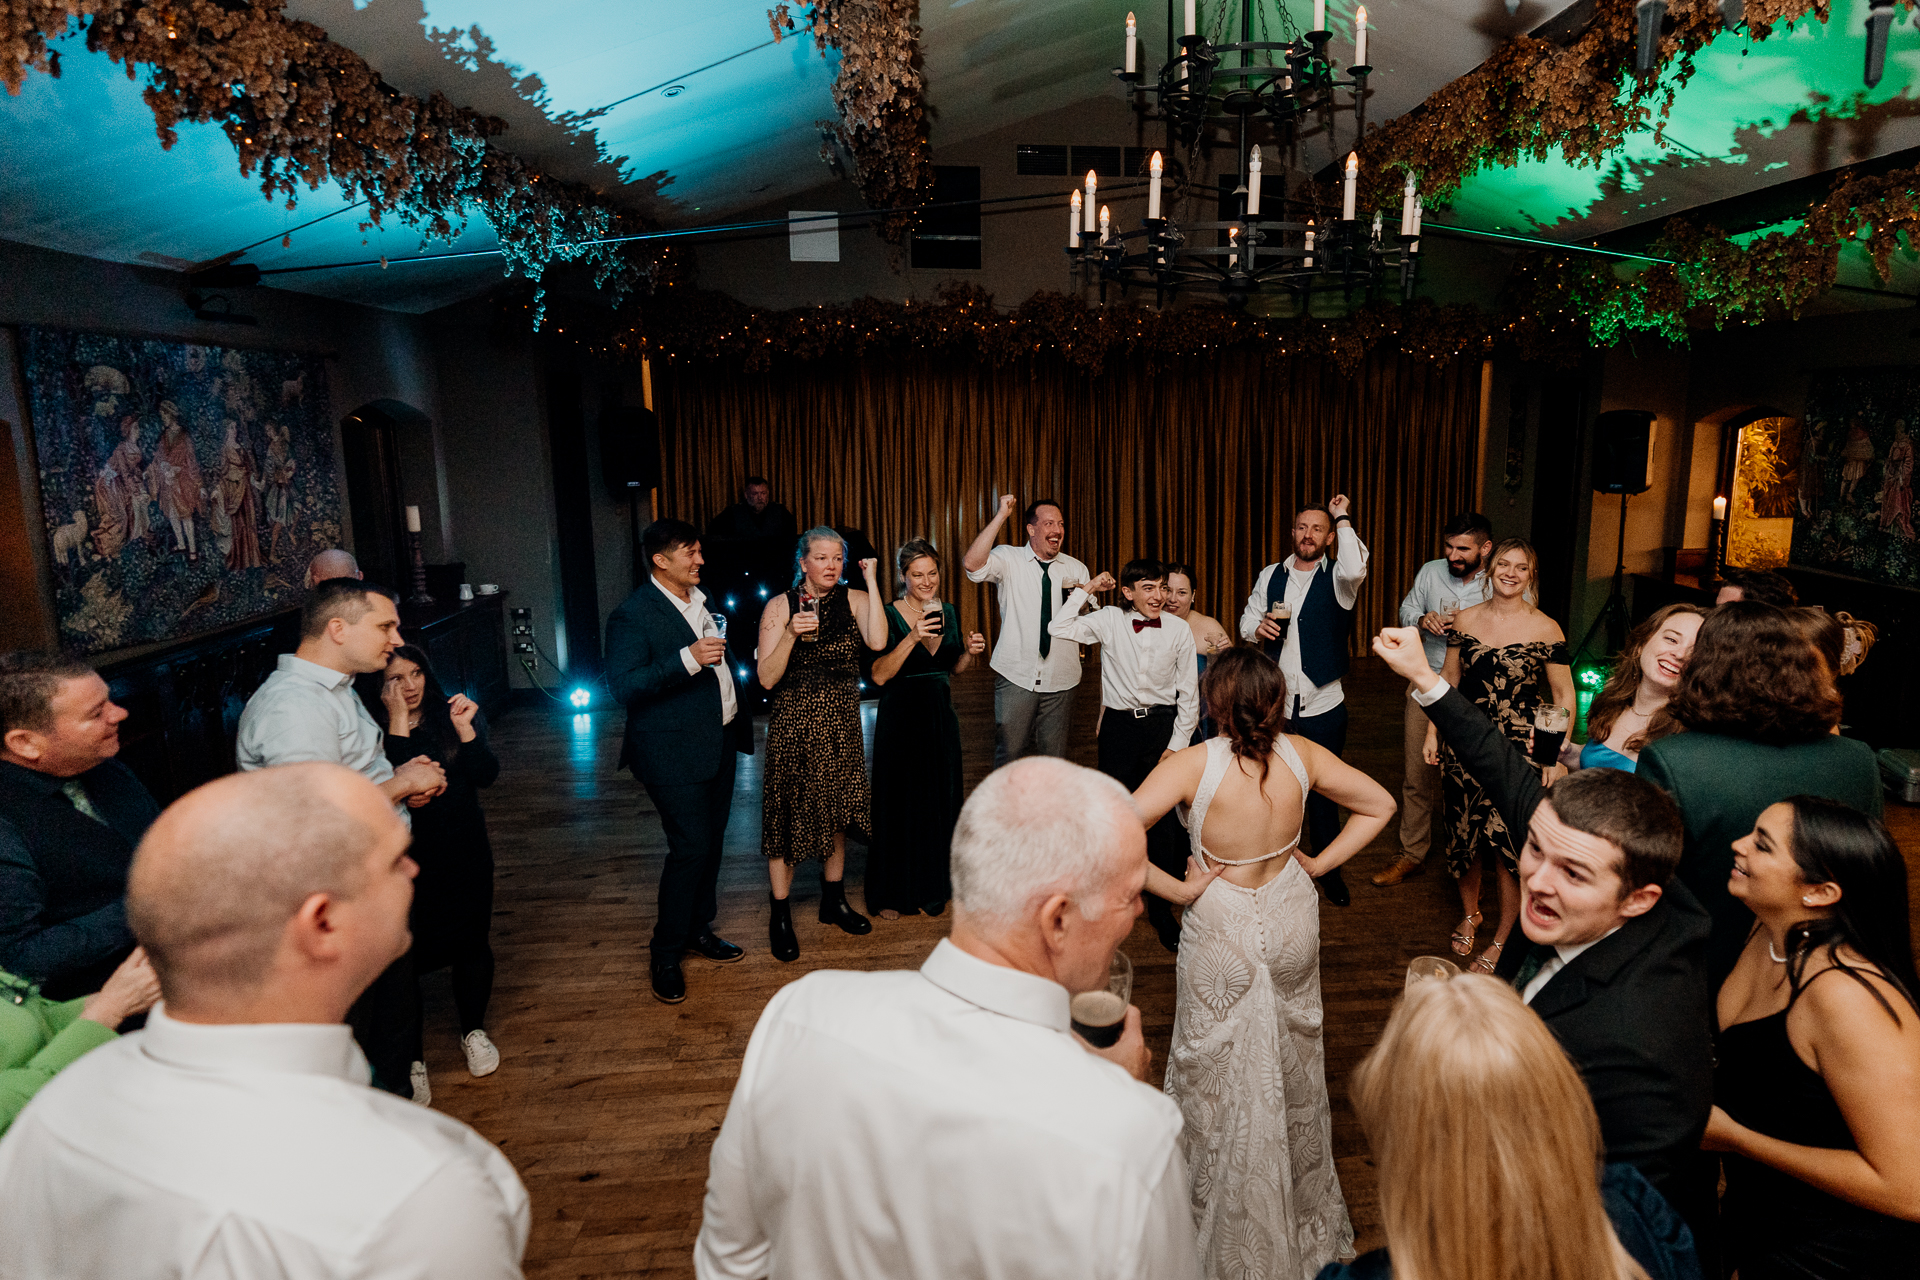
(482, 1058)
(422, 1090)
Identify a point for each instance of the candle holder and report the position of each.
(419, 596)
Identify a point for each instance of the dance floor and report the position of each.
(607, 1101)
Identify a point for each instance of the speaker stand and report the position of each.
(1613, 614)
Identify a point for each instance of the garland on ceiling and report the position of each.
(881, 96)
(303, 109)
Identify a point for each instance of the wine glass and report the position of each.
(1421, 967)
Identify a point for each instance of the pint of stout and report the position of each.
(1550, 725)
(1281, 614)
(936, 617)
(1099, 1017)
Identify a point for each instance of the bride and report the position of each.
(1247, 1065)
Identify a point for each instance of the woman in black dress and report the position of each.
(916, 743)
(1508, 658)
(1817, 1083)
(453, 894)
(816, 772)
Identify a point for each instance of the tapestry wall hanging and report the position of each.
(1853, 512)
(183, 487)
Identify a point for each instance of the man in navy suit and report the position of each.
(667, 662)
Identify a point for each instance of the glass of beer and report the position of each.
(1100, 1016)
(1550, 724)
(1449, 609)
(811, 605)
(1280, 613)
(936, 618)
(1421, 967)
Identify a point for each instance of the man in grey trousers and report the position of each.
(1034, 672)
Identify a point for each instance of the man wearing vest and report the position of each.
(1319, 589)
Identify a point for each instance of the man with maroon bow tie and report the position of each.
(1150, 692)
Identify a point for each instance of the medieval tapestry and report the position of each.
(184, 487)
(1854, 508)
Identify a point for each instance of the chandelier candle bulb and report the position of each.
(1153, 187)
(1106, 220)
(1073, 222)
(1417, 209)
(1233, 241)
(1360, 36)
(1319, 14)
(1133, 47)
(413, 519)
(1309, 261)
(1092, 204)
(1348, 193)
(1719, 508)
(1406, 208)
(1253, 184)
(1376, 226)
(1190, 18)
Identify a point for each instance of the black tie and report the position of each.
(1529, 969)
(1046, 609)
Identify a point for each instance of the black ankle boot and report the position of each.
(834, 908)
(780, 937)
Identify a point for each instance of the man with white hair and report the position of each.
(236, 1135)
(947, 1121)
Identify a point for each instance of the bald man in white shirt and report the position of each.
(946, 1121)
(236, 1135)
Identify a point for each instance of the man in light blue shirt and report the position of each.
(1459, 579)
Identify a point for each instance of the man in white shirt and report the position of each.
(1319, 590)
(918, 1125)
(1150, 689)
(307, 711)
(1033, 677)
(235, 1135)
(667, 664)
(1458, 579)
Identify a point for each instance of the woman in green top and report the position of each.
(39, 1036)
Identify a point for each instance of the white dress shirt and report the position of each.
(1560, 959)
(1432, 587)
(924, 1125)
(1350, 555)
(248, 1152)
(305, 712)
(1015, 574)
(1148, 667)
(694, 610)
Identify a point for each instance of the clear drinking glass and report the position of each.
(1449, 609)
(1550, 724)
(1100, 1016)
(1430, 967)
(719, 624)
(936, 619)
(810, 604)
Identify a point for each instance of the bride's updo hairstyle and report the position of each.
(1246, 696)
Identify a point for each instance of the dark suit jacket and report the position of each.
(674, 735)
(1722, 784)
(1635, 1010)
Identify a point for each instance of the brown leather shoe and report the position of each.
(1399, 870)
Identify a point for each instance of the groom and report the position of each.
(667, 664)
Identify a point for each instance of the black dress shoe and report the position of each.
(780, 936)
(714, 948)
(1336, 889)
(835, 910)
(669, 983)
(1170, 939)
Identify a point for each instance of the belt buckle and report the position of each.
(1139, 713)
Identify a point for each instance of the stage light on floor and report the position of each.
(732, 603)
(763, 593)
(583, 724)
(1590, 676)
(581, 697)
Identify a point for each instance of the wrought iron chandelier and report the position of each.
(1275, 242)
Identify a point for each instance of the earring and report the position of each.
(1806, 902)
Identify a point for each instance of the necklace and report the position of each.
(1776, 959)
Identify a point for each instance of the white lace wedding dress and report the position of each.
(1248, 1068)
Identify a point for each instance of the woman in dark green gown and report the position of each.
(916, 742)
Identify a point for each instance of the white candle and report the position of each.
(413, 519)
(1309, 260)
(1376, 226)
(1190, 23)
(1073, 222)
(1133, 46)
(1106, 220)
(1719, 508)
(1406, 208)
(1092, 205)
(1319, 14)
(1417, 209)
(1233, 241)
(1153, 186)
(1347, 195)
(1253, 184)
(1360, 36)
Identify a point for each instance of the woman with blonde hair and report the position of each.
(1468, 1088)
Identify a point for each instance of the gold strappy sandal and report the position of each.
(1489, 960)
(1462, 939)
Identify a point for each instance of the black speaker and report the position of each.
(629, 450)
(1623, 451)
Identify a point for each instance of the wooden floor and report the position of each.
(607, 1101)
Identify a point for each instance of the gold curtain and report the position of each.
(1206, 463)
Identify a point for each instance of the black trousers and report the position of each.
(1328, 729)
(386, 1023)
(695, 817)
(1130, 747)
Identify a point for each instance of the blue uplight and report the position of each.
(732, 603)
(763, 593)
(743, 673)
(583, 724)
(581, 697)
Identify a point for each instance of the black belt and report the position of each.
(1146, 713)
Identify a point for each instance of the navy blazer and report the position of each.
(674, 736)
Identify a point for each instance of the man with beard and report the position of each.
(1459, 576)
(1319, 591)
